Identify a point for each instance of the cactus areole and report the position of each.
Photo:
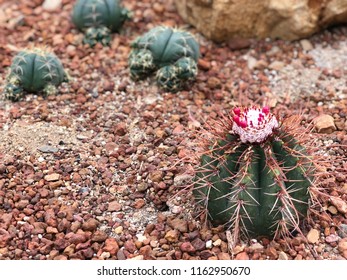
(173, 53)
(254, 175)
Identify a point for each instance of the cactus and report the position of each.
(98, 19)
(255, 174)
(34, 70)
(173, 53)
(94, 35)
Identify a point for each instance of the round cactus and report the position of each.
(94, 35)
(255, 175)
(174, 53)
(34, 70)
(98, 18)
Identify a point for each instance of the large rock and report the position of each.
(285, 19)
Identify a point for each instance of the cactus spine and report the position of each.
(34, 70)
(98, 19)
(171, 52)
(255, 175)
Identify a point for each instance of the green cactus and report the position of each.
(34, 70)
(98, 19)
(171, 52)
(255, 175)
(95, 35)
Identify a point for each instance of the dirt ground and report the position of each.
(95, 172)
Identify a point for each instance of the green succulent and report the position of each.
(95, 35)
(34, 70)
(255, 177)
(171, 52)
(95, 16)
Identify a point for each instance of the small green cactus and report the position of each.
(255, 175)
(34, 70)
(98, 19)
(94, 35)
(173, 53)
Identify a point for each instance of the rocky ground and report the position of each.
(95, 172)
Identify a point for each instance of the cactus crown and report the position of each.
(34, 70)
(255, 174)
(253, 125)
(171, 52)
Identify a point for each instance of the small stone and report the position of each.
(51, 5)
(332, 238)
(172, 235)
(139, 203)
(53, 230)
(342, 246)
(276, 65)
(105, 255)
(223, 256)
(324, 124)
(198, 244)
(213, 83)
(251, 62)
(55, 184)
(340, 204)
(146, 252)
(52, 177)
(181, 179)
(238, 43)
(90, 225)
(22, 204)
(209, 244)
(130, 246)
(179, 224)
(306, 45)
(257, 247)
(141, 237)
(179, 129)
(156, 176)
(237, 249)
(48, 149)
(81, 137)
(118, 230)
(313, 236)
(114, 206)
(110, 147)
(282, 256)
(158, 8)
(342, 230)
(217, 243)
(187, 247)
(272, 253)
(204, 64)
(111, 246)
(71, 50)
(99, 236)
(120, 129)
(332, 209)
(242, 256)
(137, 258)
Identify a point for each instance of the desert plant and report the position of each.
(98, 19)
(34, 70)
(255, 174)
(173, 53)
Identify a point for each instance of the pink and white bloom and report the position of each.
(253, 124)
